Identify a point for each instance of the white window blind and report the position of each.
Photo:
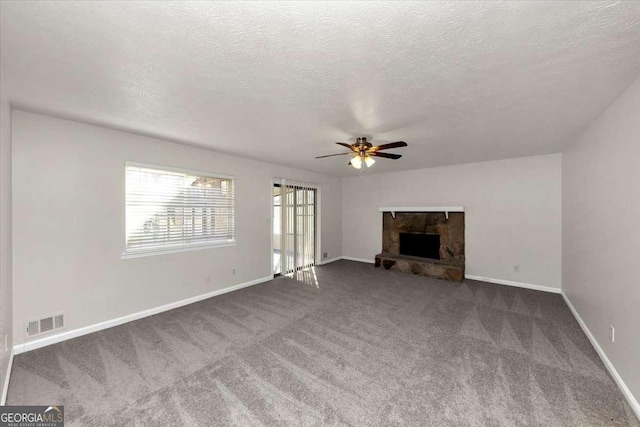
(298, 216)
(172, 209)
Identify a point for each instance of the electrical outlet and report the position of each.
(612, 333)
(233, 271)
(324, 255)
(516, 268)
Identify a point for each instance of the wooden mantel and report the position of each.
(445, 209)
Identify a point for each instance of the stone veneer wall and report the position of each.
(450, 266)
(451, 231)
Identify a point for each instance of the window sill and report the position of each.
(128, 255)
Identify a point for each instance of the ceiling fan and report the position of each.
(363, 152)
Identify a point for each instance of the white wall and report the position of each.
(68, 223)
(5, 235)
(512, 213)
(601, 231)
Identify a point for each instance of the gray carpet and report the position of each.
(361, 347)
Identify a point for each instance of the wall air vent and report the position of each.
(34, 328)
(58, 321)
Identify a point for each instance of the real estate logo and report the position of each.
(31, 416)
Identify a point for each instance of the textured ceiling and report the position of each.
(459, 81)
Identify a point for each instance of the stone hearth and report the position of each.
(449, 266)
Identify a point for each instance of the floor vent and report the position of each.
(34, 328)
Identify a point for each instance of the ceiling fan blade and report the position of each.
(331, 155)
(349, 146)
(385, 155)
(396, 144)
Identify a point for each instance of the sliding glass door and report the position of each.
(294, 226)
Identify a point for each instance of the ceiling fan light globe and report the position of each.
(369, 161)
(356, 162)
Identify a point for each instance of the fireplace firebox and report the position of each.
(420, 245)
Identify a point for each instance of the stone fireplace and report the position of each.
(428, 243)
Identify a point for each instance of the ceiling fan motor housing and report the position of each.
(362, 143)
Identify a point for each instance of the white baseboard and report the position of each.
(53, 339)
(368, 261)
(612, 370)
(7, 378)
(480, 278)
(516, 284)
(330, 260)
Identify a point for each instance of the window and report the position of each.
(169, 210)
